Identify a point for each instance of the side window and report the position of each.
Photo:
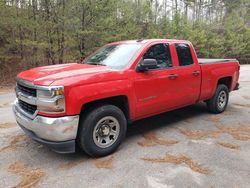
(161, 53)
(184, 54)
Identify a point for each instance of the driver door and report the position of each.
(155, 89)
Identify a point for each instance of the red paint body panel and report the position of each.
(148, 93)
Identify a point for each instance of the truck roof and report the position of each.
(144, 41)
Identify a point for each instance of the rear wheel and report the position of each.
(102, 130)
(219, 101)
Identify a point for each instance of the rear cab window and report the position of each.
(184, 54)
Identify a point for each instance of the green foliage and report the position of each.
(39, 32)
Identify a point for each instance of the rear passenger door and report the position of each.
(189, 75)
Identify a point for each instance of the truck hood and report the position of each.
(48, 74)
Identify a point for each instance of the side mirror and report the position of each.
(146, 64)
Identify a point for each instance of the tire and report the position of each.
(102, 130)
(218, 103)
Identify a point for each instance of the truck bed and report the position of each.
(211, 61)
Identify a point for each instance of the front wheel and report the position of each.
(102, 130)
(218, 103)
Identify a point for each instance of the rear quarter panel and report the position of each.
(212, 73)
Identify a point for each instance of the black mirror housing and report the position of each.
(146, 64)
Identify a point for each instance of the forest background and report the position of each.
(45, 32)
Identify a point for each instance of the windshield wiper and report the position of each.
(96, 64)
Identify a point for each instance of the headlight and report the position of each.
(51, 99)
(50, 92)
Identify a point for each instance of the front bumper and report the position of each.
(58, 133)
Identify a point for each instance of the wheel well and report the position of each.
(119, 101)
(226, 81)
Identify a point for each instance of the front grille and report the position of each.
(29, 108)
(26, 90)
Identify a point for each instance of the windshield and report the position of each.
(116, 56)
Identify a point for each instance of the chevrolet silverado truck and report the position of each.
(88, 105)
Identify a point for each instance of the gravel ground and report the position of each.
(188, 147)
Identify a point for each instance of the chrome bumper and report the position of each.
(48, 128)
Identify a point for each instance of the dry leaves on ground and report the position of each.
(246, 97)
(229, 145)
(4, 104)
(151, 139)
(214, 119)
(242, 105)
(218, 117)
(7, 125)
(106, 162)
(14, 141)
(180, 159)
(198, 134)
(240, 132)
(4, 89)
(71, 164)
(30, 176)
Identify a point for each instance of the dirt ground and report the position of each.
(188, 147)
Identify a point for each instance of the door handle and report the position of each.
(196, 73)
(172, 76)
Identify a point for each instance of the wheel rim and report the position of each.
(106, 131)
(222, 99)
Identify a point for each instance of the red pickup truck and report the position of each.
(89, 104)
